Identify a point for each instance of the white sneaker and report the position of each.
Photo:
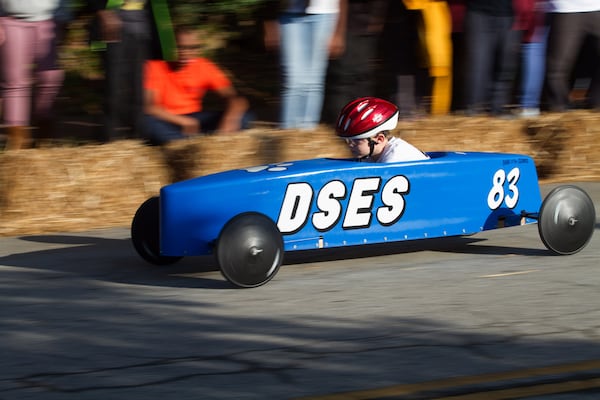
(529, 113)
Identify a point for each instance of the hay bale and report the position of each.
(203, 155)
(76, 188)
(564, 146)
(79, 188)
(302, 145)
(457, 133)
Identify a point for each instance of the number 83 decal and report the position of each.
(498, 194)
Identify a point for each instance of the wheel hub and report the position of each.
(572, 221)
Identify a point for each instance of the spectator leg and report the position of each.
(564, 41)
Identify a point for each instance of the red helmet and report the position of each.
(365, 117)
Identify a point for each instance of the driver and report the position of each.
(365, 125)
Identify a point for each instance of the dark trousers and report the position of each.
(158, 132)
(350, 76)
(492, 52)
(124, 67)
(401, 57)
(458, 72)
(567, 34)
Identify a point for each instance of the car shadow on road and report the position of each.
(113, 260)
(472, 244)
(455, 244)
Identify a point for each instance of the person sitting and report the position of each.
(173, 93)
(365, 125)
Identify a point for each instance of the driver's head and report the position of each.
(365, 124)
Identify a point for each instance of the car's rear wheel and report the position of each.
(566, 220)
(249, 250)
(145, 233)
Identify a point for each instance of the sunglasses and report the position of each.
(353, 141)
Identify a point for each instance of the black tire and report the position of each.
(249, 250)
(145, 233)
(566, 220)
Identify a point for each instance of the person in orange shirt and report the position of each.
(173, 93)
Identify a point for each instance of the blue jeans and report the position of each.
(158, 132)
(304, 57)
(534, 69)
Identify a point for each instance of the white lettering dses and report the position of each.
(392, 197)
(358, 214)
(295, 207)
(330, 204)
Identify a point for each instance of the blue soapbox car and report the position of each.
(250, 217)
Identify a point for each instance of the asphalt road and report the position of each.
(493, 315)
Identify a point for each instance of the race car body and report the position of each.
(241, 215)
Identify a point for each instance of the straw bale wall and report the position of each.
(96, 186)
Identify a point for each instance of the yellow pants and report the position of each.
(437, 43)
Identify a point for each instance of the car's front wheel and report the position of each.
(249, 250)
(145, 233)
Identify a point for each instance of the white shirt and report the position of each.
(30, 10)
(399, 150)
(313, 6)
(572, 6)
(323, 7)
